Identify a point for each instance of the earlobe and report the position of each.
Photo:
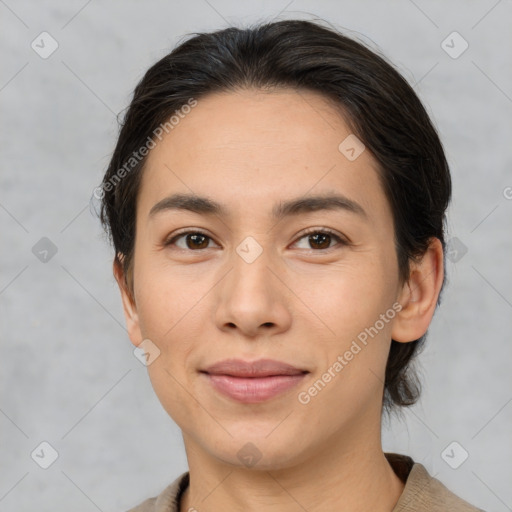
(129, 305)
(419, 295)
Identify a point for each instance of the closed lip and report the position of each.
(255, 369)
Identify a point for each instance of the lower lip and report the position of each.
(253, 390)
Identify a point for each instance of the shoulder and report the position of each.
(422, 492)
(146, 506)
(168, 500)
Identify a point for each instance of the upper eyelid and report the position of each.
(192, 231)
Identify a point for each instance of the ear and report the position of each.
(418, 296)
(129, 306)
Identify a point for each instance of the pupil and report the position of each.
(323, 236)
(194, 238)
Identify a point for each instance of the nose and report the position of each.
(253, 298)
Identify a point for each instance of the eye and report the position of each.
(193, 240)
(321, 238)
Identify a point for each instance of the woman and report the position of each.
(276, 201)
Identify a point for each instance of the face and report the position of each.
(302, 288)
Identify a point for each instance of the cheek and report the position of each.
(347, 300)
(163, 299)
(357, 307)
(172, 310)
(169, 315)
(351, 363)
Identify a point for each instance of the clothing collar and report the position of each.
(422, 492)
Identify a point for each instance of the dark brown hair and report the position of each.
(377, 103)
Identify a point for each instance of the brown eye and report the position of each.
(193, 240)
(196, 241)
(320, 240)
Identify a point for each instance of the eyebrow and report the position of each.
(205, 206)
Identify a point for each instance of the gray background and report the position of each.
(68, 374)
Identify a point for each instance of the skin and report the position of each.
(298, 302)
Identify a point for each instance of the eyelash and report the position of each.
(325, 231)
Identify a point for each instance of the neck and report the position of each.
(347, 470)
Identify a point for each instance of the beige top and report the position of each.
(422, 493)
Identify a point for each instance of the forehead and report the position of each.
(245, 119)
(250, 146)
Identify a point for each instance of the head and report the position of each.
(265, 123)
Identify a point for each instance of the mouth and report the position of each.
(253, 382)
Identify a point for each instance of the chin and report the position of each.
(259, 453)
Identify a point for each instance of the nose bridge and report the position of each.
(249, 296)
(250, 267)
